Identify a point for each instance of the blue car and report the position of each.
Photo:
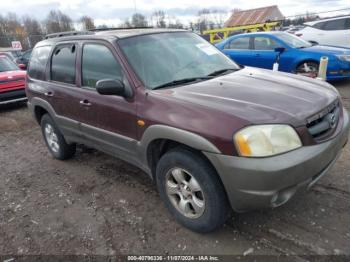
(297, 55)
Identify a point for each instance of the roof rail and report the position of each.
(119, 28)
(68, 33)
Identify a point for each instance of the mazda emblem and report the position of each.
(332, 120)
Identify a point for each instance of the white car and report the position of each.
(332, 31)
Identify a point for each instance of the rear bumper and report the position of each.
(13, 96)
(254, 183)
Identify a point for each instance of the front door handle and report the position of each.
(85, 102)
(48, 94)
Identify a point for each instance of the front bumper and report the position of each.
(254, 183)
(12, 96)
(338, 70)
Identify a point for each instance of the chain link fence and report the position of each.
(27, 42)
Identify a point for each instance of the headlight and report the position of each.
(343, 57)
(266, 140)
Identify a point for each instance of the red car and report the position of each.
(12, 82)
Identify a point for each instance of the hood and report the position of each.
(328, 50)
(12, 74)
(259, 96)
(12, 79)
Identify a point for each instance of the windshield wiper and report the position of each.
(223, 71)
(181, 81)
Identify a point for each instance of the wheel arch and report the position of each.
(159, 139)
(304, 60)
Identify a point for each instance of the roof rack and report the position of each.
(119, 28)
(69, 33)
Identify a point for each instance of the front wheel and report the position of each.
(191, 190)
(308, 68)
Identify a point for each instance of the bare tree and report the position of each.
(160, 18)
(57, 21)
(33, 30)
(31, 26)
(87, 22)
(138, 20)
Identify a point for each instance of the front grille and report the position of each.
(345, 72)
(322, 124)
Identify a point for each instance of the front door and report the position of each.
(264, 51)
(109, 121)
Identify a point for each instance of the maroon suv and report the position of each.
(210, 133)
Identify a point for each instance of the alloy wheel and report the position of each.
(185, 193)
(51, 138)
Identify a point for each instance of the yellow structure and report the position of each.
(217, 35)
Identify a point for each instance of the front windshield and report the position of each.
(293, 41)
(165, 57)
(7, 65)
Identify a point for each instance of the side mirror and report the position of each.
(110, 87)
(280, 50)
(22, 66)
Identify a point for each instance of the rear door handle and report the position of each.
(49, 94)
(257, 54)
(85, 102)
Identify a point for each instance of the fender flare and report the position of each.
(188, 138)
(39, 102)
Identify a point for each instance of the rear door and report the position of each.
(62, 91)
(239, 50)
(109, 121)
(335, 32)
(264, 51)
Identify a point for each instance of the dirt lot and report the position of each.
(96, 204)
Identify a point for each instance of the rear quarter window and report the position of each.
(38, 61)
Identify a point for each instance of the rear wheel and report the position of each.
(191, 190)
(54, 140)
(308, 68)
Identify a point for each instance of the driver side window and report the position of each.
(265, 43)
(99, 63)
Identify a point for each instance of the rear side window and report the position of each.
(239, 43)
(318, 25)
(338, 24)
(37, 64)
(63, 64)
(99, 63)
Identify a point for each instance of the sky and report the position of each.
(114, 12)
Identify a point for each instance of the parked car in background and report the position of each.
(24, 58)
(12, 82)
(13, 55)
(210, 133)
(299, 56)
(332, 31)
(292, 29)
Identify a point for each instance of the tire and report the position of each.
(205, 210)
(54, 140)
(311, 65)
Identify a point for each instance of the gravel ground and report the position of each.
(96, 204)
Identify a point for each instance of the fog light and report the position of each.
(274, 199)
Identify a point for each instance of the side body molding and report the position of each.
(155, 132)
